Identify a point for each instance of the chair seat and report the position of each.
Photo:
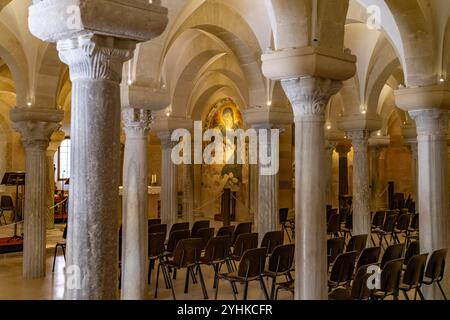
(406, 287)
(268, 273)
(233, 276)
(428, 281)
(289, 285)
(61, 244)
(340, 294)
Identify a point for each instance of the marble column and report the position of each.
(169, 203)
(329, 150)
(136, 125)
(432, 130)
(412, 145)
(361, 189)
(55, 142)
(309, 97)
(95, 52)
(36, 127)
(188, 193)
(343, 151)
(253, 193)
(268, 186)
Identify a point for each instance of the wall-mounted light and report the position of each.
(379, 133)
(130, 82)
(29, 103)
(363, 109)
(328, 126)
(441, 79)
(269, 103)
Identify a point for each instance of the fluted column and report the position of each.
(36, 127)
(268, 185)
(135, 204)
(432, 130)
(361, 186)
(188, 193)
(55, 142)
(309, 97)
(329, 149)
(343, 151)
(169, 208)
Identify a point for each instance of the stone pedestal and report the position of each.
(95, 51)
(361, 187)
(36, 127)
(135, 204)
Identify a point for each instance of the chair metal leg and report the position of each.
(233, 288)
(230, 269)
(442, 290)
(272, 291)
(420, 294)
(171, 283)
(157, 280)
(54, 258)
(405, 294)
(263, 285)
(245, 290)
(415, 295)
(186, 282)
(202, 282)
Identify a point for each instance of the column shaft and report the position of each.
(309, 97)
(135, 205)
(432, 127)
(169, 210)
(188, 193)
(361, 189)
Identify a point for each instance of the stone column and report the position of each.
(169, 207)
(188, 192)
(55, 142)
(36, 126)
(361, 189)
(95, 51)
(253, 192)
(412, 145)
(329, 149)
(432, 130)
(135, 204)
(268, 186)
(343, 151)
(309, 97)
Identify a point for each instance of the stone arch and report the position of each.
(12, 53)
(49, 74)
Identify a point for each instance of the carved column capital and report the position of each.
(431, 123)
(360, 140)
(310, 96)
(96, 57)
(136, 122)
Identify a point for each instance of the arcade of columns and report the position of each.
(95, 57)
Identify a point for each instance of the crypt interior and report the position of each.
(94, 207)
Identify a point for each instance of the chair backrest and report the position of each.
(176, 237)
(343, 267)
(225, 231)
(283, 215)
(272, 240)
(357, 243)
(152, 222)
(282, 258)
(415, 270)
(158, 228)
(64, 235)
(218, 249)
(179, 226)
(335, 247)
(368, 256)
(415, 222)
(252, 263)
(349, 221)
(412, 250)
(390, 276)
(331, 212)
(156, 244)
(198, 225)
(378, 219)
(245, 227)
(245, 242)
(343, 214)
(205, 234)
(360, 290)
(389, 222)
(333, 224)
(403, 221)
(436, 265)
(7, 203)
(187, 252)
(393, 252)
